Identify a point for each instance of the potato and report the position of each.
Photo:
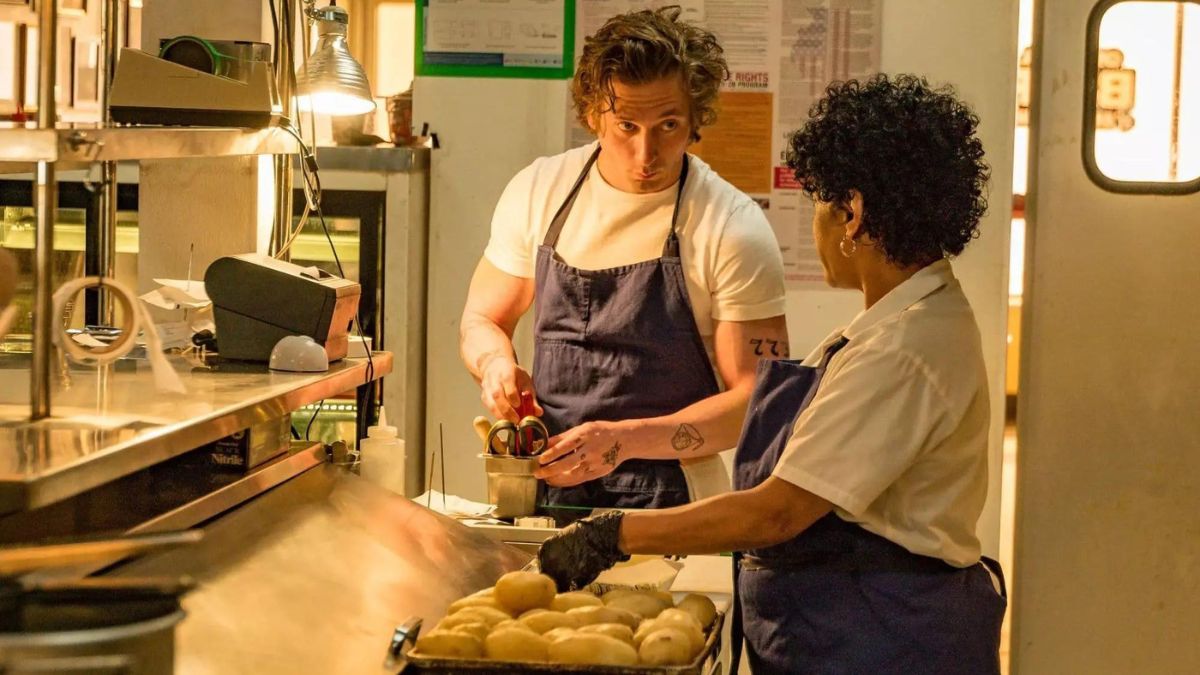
(665, 596)
(515, 644)
(617, 630)
(449, 644)
(677, 616)
(521, 591)
(665, 647)
(586, 616)
(513, 623)
(545, 621)
(688, 627)
(591, 648)
(474, 601)
(644, 605)
(489, 615)
(564, 602)
(626, 617)
(558, 633)
(700, 607)
(479, 630)
(483, 593)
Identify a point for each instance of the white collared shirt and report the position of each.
(897, 434)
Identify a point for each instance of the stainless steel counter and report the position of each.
(112, 422)
(313, 576)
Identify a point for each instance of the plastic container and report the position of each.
(382, 458)
(399, 109)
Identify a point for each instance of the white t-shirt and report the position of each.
(897, 434)
(731, 260)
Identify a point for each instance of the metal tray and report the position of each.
(708, 662)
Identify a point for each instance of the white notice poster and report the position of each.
(494, 32)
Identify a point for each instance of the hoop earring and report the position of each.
(853, 246)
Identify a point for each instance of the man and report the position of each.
(646, 269)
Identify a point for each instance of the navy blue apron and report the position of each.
(837, 598)
(617, 344)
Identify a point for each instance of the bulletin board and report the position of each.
(495, 38)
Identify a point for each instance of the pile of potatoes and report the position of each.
(523, 619)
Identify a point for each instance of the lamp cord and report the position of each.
(275, 33)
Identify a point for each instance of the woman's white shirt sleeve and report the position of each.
(865, 427)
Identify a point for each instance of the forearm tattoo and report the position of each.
(773, 348)
(610, 456)
(686, 438)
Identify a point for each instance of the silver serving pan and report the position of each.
(707, 662)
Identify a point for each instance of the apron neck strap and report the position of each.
(560, 216)
(670, 247)
(832, 349)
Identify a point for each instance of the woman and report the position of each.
(862, 470)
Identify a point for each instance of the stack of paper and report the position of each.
(455, 507)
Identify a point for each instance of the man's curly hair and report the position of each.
(911, 151)
(640, 47)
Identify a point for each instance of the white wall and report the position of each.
(225, 205)
(492, 128)
(213, 19)
(489, 130)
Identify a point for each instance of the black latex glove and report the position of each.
(578, 554)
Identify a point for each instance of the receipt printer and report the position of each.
(258, 300)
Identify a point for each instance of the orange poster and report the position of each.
(738, 146)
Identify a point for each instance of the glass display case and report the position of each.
(76, 224)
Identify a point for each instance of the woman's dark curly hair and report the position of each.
(643, 46)
(911, 151)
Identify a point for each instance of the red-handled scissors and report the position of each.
(526, 438)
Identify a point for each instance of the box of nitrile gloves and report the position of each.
(243, 450)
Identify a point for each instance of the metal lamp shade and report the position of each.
(333, 82)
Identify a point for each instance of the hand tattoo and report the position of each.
(686, 437)
(610, 456)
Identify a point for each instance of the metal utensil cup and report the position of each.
(511, 484)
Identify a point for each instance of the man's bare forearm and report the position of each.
(714, 424)
(480, 341)
(704, 428)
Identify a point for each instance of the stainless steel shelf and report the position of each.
(111, 424)
(383, 159)
(102, 144)
(301, 457)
